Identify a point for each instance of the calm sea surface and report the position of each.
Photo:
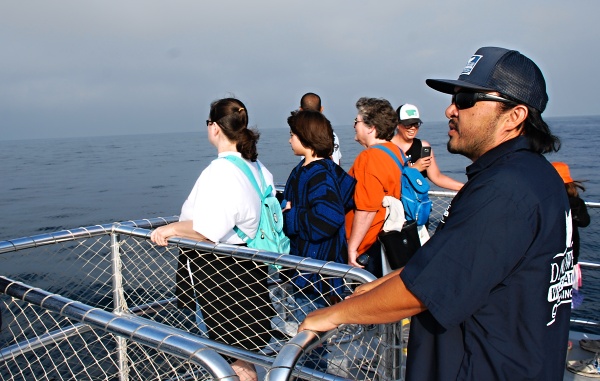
(54, 184)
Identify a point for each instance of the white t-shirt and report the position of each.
(222, 198)
(336, 156)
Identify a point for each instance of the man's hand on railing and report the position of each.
(320, 320)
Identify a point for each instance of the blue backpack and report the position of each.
(269, 236)
(415, 196)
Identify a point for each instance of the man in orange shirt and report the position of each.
(377, 175)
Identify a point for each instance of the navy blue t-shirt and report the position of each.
(496, 277)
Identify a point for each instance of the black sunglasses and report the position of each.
(467, 100)
(416, 125)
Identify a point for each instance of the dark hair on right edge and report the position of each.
(572, 188)
(232, 117)
(313, 130)
(535, 129)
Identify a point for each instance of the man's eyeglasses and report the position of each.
(465, 100)
(413, 125)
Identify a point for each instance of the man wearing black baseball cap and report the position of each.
(491, 290)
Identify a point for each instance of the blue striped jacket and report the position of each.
(320, 194)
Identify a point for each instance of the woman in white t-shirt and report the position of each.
(232, 294)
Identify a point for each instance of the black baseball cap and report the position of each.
(505, 71)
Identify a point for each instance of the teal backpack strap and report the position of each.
(392, 155)
(241, 164)
(269, 189)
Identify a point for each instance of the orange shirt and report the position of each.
(377, 175)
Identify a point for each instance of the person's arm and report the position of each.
(360, 226)
(389, 302)
(579, 213)
(365, 287)
(181, 229)
(438, 178)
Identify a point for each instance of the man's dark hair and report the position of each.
(535, 129)
(379, 113)
(310, 102)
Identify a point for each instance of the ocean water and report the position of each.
(53, 184)
(48, 185)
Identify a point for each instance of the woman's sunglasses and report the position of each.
(466, 100)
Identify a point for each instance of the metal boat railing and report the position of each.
(124, 326)
(113, 272)
(115, 269)
(352, 275)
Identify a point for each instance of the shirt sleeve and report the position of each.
(369, 190)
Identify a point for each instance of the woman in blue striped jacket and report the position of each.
(318, 193)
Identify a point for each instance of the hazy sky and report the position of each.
(75, 68)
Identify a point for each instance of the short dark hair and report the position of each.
(313, 130)
(310, 101)
(378, 112)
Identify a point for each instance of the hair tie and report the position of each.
(240, 109)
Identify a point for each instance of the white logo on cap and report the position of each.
(471, 64)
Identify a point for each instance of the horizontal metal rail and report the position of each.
(589, 265)
(446, 194)
(82, 232)
(74, 330)
(143, 331)
(48, 338)
(285, 260)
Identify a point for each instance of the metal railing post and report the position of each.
(119, 303)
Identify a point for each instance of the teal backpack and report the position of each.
(415, 190)
(269, 236)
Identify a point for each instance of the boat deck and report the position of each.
(576, 353)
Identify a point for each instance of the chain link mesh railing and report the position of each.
(249, 304)
(101, 347)
(38, 342)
